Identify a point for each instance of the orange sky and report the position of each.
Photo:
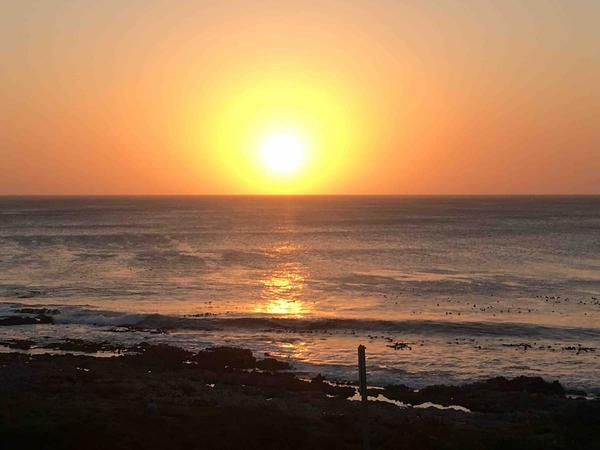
(397, 97)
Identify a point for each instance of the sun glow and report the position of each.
(278, 133)
(283, 152)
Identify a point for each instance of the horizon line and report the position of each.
(307, 195)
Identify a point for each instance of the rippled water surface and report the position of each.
(473, 286)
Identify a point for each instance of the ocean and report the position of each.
(439, 289)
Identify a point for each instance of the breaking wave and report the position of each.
(92, 316)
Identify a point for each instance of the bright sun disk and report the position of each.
(283, 152)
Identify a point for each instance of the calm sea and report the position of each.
(474, 286)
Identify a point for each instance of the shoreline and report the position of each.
(408, 351)
(158, 396)
(76, 347)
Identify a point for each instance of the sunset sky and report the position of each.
(315, 97)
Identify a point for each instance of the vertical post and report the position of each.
(362, 373)
(362, 379)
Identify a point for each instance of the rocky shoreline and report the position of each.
(162, 397)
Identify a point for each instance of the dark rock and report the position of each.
(577, 392)
(400, 346)
(18, 344)
(398, 391)
(494, 395)
(160, 355)
(319, 383)
(135, 329)
(80, 345)
(272, 364)
(45, 311)
(318, 379)
(20, 320)
(531, 385)
(67, 402)
(219, 358)
(29, 293)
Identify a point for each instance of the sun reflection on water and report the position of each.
(283, 307)
(282, 291)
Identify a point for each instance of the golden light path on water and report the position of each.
(283, 287)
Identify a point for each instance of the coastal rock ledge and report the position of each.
(162, 397)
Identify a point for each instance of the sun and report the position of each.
(283, 151)
(278, 133)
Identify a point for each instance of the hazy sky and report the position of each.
(400, 97)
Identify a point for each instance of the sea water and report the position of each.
(439, 289)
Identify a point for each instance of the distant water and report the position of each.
(464, 281)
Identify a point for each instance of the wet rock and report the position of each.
(579, 349)
(18, 344)
(523, 346)
(398, 392)
(531, 385)
(272, 365)
(160, 355)
(494, 395)
(320, 384)
(400, 346)
(576, 392)
(277, 384)
(45, 311)
(80, 345)
(136, 329)
(23, 320)
(318, 379)
(50, 402)
(29, 293)
(219, 358)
